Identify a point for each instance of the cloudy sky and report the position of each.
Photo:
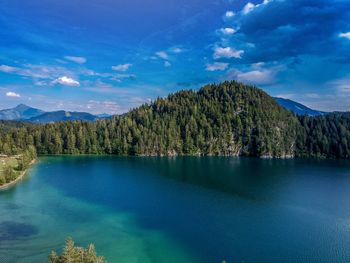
(112, 55)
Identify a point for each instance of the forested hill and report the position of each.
(324, 136)
(225, 119)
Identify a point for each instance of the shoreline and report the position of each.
(19, 178)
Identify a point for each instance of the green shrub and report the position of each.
(2, 179)
(9, 173)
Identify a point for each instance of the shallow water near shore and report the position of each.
(184, 209)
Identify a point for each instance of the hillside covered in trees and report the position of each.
(324, 136)
(227, 119)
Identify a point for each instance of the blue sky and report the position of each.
(111, 55)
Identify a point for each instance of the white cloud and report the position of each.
(79, 60)
(227, 31)
(36, 71)
(257, 65)
(122, 67)
(248, 8)
(216, 66)
(12, 94)
(345, 35)
(167, 64)
(89, 72)
(7, 69)
(229, 14)
(162, 54)
(227, 52)
(108, 106)
(342, 86)
(177, 50)
(120, 77)
(107, 88)
(40, 83)
(257, 74)
(66, 81)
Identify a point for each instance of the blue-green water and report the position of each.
(184, 209)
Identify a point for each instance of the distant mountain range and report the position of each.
(21, 112)
(56, 116)
(25, 113)
(298, 108)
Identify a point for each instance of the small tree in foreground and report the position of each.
(73, 254)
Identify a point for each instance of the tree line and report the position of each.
(227, 119)
(325, 136)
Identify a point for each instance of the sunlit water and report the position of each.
(184, 209)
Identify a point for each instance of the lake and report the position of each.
(184, 209)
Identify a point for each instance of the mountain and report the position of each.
(56, 116)
(21, 112)
(298, 108)
(103, 116)
(25, 113)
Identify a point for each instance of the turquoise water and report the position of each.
(184, 209)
